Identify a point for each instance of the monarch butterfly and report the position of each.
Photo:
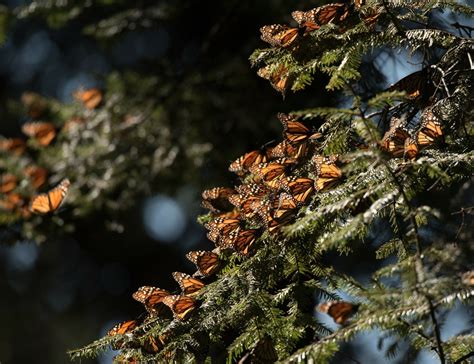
(91, 98)
(11, 201)
(241, 165)
(123, 328)
(280, 35)
(296, 131)
(217, 199)
(8, 182)
(301, 188)
(315, 18)
(268, 173)
(327, 172)
(286, 150)
(15, 145)
(42, 132)
(418, 85)
(206, 262)
(50, 201)
(246, 204)
(240, 240)
(340, 311)
(37, 175)
(279, 76)
(219, 226)
(150, 297)
(282, 205)
(430, 129)
(393, 140)
(189, 285)
(277, 211)
(180, 305)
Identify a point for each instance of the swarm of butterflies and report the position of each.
(22, 199)
(342, 15)
(268, 198)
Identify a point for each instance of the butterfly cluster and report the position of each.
(274, 184)
(414, 124)
(341, 15)
(20, 191)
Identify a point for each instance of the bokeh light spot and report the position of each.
(164, 219)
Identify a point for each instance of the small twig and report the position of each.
(418, 331)
(461, 27)
(464, 210)
(437, 332)
(442, 80)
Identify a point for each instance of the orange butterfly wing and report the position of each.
(340, 311)
(206, 262)
(189, 285)
(181, 306)
(241, 165)
(327, 171)
(50, 201)
(8, 182)
(42, 132)
(91, 98)
(301, 189)
(243, 241)
(279, 77)
(15, 145)
(217, 199)
(37, 175)
(123, 328)
(279, 35)
(411, 148)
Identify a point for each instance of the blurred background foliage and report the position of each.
(179, 103)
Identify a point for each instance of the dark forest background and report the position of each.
(71, 290)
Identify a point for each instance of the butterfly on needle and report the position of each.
(340, 311)
(49, 202)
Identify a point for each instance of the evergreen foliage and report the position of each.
(260, 305)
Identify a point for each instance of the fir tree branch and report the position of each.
(462, 358)
(418, 261)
